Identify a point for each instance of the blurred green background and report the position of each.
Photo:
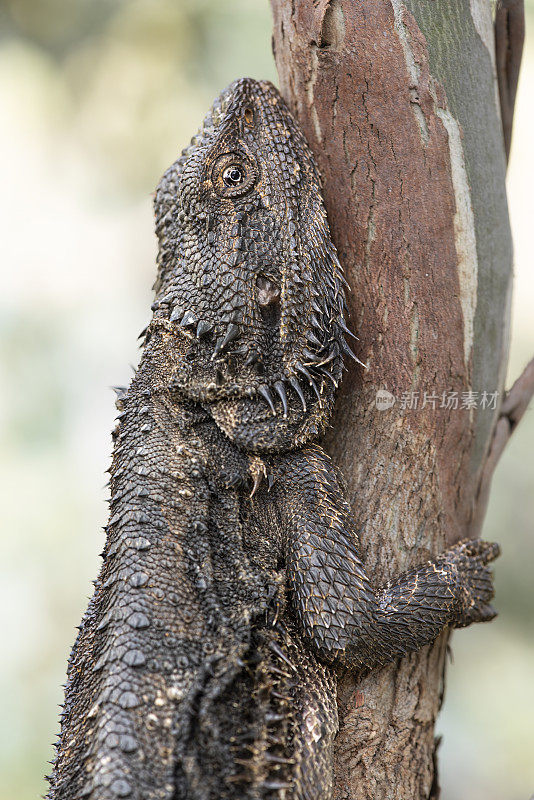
(97, 98)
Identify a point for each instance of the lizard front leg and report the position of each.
(339, 611)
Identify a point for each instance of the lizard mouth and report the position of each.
(270, 420)
(236, 365)
(249, 355)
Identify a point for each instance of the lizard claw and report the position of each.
(258, 471)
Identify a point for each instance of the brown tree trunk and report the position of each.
(399, 102)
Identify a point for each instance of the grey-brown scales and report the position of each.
(231, 584)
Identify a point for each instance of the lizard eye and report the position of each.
(233, 175)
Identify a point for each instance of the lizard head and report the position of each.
(249, 286)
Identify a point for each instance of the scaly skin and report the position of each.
(232, 585)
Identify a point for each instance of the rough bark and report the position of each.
(399, 102)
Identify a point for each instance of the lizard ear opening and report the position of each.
(268, 292)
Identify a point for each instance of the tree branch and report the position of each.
(517, 399)
(512, 409)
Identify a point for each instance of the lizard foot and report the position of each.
(471, 559)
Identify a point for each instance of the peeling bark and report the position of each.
(398, 100)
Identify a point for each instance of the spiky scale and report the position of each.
(176, 315)
(293, 381)
(265, 392)
(281, 391)
(315, 341)
(203, 328)
(346, 349)
(189, 320)
(346, 329)
(251, 358)
(301, 368)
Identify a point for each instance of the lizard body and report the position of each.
(232, 586)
